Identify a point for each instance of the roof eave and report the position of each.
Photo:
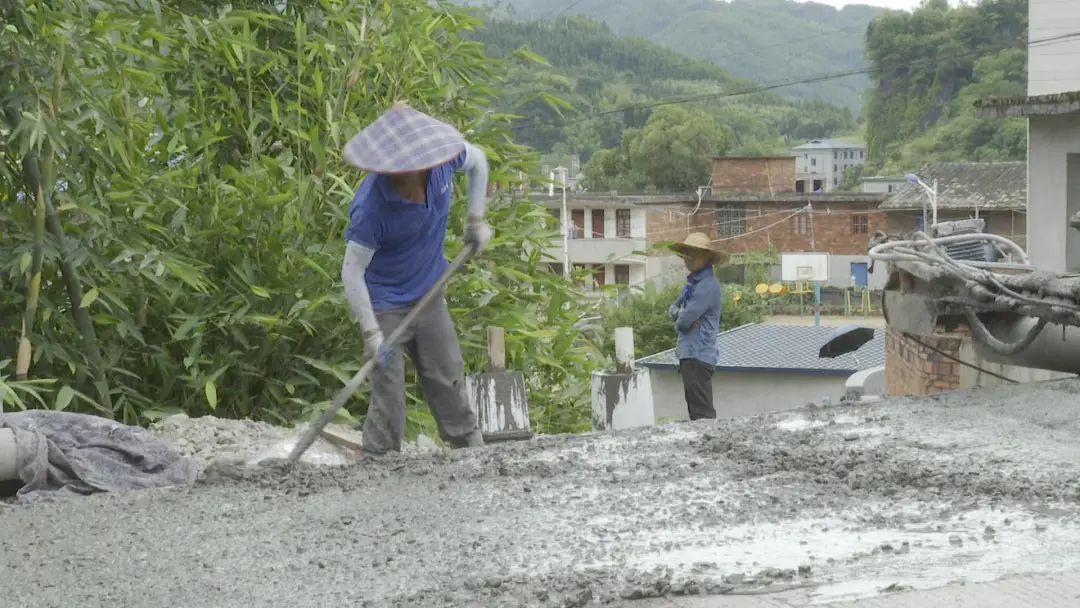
(1058, 104)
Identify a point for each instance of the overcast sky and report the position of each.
(908, 4)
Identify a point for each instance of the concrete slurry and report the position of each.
(831, 504)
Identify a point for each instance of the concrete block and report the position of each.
(864, 384)
(501, 405)
(621, 400)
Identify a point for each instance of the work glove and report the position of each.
(373, 343)
(673, 312)
(477, 234)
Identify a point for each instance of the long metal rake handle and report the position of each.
(343, 395)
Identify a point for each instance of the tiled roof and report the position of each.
(827, 144)
(762, 347)
(1000, 185)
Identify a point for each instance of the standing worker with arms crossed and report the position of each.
(394, 255)
(696, 314)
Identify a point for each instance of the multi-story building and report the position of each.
(821, 163)
(608, 234)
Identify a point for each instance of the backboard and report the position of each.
(804, 267)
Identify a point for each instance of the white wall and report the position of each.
(1053, 192)
(840, 271)
(744, 393)
(1052, 66)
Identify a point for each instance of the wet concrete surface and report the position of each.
(836, 504)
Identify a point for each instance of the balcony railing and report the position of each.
(599, 251)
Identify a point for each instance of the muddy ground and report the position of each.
(846, 501)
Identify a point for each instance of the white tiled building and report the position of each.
(820, 164)
(607, 235)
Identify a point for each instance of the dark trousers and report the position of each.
(697, 384)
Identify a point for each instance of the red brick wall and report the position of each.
(833, 231)
(674, 223)
(753, 175)
(912, 369)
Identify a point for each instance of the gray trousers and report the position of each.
(697, 386)
(432, 344)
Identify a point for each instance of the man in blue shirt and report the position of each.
(394, 255)
(696, 314)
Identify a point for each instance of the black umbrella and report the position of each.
(845, 339)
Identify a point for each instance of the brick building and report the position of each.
(753, 174)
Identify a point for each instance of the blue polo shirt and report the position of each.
(407, 236)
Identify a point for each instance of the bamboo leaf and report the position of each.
(25, 261)
(261, 292)
(211, 394)
(63, 398)
(89, 297)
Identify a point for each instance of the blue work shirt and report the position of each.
(698, 320)
(407, 236)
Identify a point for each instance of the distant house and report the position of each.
(764, 368)
(995, 192)
(820, 164)
(881, 184)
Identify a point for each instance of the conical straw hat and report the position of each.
(699, 241)
(403, 140)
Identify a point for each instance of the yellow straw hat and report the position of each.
(697, 242)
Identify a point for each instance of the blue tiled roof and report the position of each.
(781, 348)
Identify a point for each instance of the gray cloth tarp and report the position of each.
(64, 453)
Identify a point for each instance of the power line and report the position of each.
(560, 13)
(957, 359)
(779, 84)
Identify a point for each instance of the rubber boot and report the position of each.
(475, 439)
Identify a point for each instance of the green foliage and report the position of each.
(930, 66)
(673, 152)
(647, 312)
(762, 40)
(201, 188)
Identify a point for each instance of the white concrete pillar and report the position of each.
(498, 397)
(622, 398)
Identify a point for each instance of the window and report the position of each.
(577, 227)
(860, 224)
(800, 186)
(555, 268)
(622, 223)
(813, 161)
(890, 187)
(835, 181)
(597, 223)
(622, 274)
(799, 224)
(730, 220)
(835, 155)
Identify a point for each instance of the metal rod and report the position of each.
(343, 395)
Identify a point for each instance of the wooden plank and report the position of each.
(496, 341)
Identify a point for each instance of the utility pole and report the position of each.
(817, 284)
(565, 226)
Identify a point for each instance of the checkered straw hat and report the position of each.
(403, 140)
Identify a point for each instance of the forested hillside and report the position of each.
(763, 40)
(930, 66)
(565, 102)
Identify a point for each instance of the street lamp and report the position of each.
(931, 193)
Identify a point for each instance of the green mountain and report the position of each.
(930, 67)
(762, 40)
(579, 88)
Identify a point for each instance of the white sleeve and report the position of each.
(476, 167)
(357, 258)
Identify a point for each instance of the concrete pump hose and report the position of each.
(8, 471)
(1005, 348)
